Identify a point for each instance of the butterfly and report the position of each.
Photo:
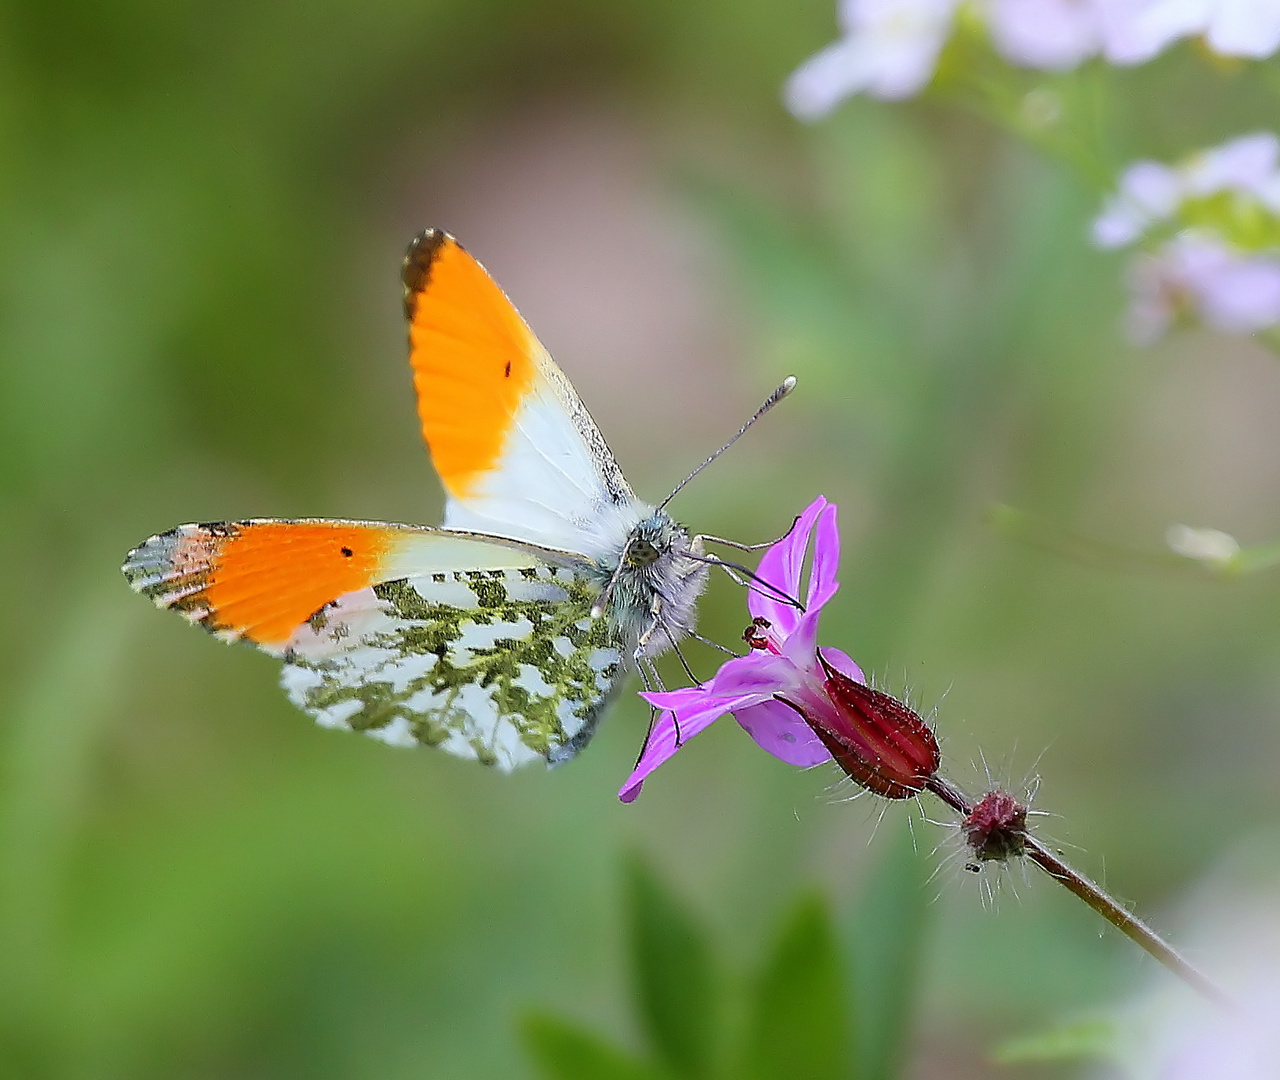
(502, 635)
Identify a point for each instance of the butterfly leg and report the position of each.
(653, 713)
(651, 677)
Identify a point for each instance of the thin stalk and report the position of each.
(1097, 898)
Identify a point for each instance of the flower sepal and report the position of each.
(881, 743)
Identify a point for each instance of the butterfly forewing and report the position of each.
(505, 666)
(515, 447)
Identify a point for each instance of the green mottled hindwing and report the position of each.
(505, 666)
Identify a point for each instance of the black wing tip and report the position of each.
(416, 270)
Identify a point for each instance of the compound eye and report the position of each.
(642, 553)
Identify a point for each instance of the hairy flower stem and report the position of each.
(1095, 896)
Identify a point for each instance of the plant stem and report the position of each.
(1097, 898)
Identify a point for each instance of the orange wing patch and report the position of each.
(258, 579)
(473, 358)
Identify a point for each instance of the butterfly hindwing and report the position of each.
(506, 666)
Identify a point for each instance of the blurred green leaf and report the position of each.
(563, 1051)
(885, 938)
(798, 1019)
(675, 984)
(1092, 1039)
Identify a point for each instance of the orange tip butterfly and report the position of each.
(502, 635)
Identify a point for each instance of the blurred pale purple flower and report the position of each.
(1244, 28)
(888, 49)
(1199, 276)
(1051, 34)
(1151, 192)
(1061, 33)
(1135, 31)
(1246, 164)
(747, 686)
(1211, 272)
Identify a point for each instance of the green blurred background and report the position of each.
(203, 211)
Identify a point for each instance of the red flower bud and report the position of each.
(876, 739)
(996, 827)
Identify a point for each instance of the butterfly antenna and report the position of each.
(787, 386)
(732, 568)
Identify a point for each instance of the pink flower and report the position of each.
(802, 705)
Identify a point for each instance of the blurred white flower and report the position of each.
(1149, 192)
(889, 50)
(1244, 28)
(1246, 164)
(1211, 273)
(1135, 31)
(1050, 34)
(1200, 277)
(1059, 34)
(1204, 545)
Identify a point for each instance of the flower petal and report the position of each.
(782, 732)
(687, 697)
(799, 648)
(663, 741)
(889, 49)
(826, 560)
(1149, 192)
(844, 664)
(1243, 297)
(781, 566)
(760, 673)
(1245, 164)
(1134, 31)
(841, 70)
(1051, 34)
(1245, 28)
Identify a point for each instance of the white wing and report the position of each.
(515, 448)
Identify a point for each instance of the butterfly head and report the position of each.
(653, 588)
